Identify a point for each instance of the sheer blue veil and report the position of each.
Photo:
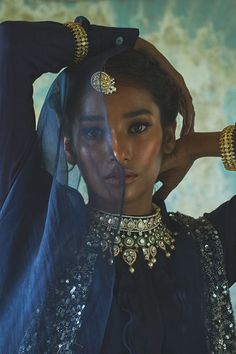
(57, 273)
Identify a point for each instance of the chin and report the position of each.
(133, 198)
(137, 194)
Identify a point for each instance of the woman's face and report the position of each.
(134, 137)
(137, 134)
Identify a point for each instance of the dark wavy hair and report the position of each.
(137, 67)
(131, 66)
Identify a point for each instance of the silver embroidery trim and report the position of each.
(219, 318)
(61, 315)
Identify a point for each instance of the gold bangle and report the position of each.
(227, 148)
(81, 41)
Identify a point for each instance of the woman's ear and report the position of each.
(169, 139)
(70, 155)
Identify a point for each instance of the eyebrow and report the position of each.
(139, 112)
(130, 114)
(91, 118)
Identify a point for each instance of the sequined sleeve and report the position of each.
(224, 220)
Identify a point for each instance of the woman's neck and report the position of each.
(138, 209)
(134, 207)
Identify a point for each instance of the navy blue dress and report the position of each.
(158, 311)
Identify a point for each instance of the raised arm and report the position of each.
(174, 168)
(27, 50)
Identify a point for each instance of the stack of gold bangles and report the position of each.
(81, 41)
(228, 147)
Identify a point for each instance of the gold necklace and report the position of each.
(133, 233)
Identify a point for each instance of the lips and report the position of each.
(116, 177)
(129, 173)
(130, 176)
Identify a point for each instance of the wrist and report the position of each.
(80, 41)
(227, 147)
(102, 38)
(203, 145)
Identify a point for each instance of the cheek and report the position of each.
(86, 162)
(150, 155)
(93, 158)
(83, 157)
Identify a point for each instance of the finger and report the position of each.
(163, 192)
(168, 162)
(188, 118)
(190, 115)
(183, 110)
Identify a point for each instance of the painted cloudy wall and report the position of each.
(198, 37)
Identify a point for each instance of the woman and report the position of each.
(105, 270)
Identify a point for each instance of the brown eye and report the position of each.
(138, 128)
(94, 133)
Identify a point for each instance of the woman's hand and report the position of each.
(175, 166)
(187, 149)
(186, 105)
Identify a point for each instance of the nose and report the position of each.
(122, 147)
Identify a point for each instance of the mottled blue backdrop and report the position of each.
(198, 37)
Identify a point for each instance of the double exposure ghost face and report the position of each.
(118, 140)
(120, 148)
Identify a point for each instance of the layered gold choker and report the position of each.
(134, 233)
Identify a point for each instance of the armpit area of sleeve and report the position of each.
(224, 220)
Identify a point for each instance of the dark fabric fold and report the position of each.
(158, 310)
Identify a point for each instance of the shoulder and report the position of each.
(200, 229)
(194, 225)
(203, 233)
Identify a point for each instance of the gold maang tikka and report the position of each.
(103, 82)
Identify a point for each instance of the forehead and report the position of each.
(90, 103)
(130, 98)
(127, 98)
